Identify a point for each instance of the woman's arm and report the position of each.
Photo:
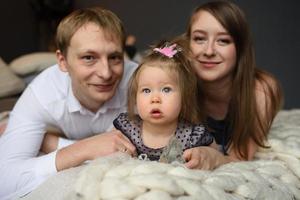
(268, 96)
(206, 158)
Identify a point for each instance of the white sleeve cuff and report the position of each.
(63, 142)
(45, 165)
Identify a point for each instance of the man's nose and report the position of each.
(103, 69)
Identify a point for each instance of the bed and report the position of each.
(17, 74)
(274, 174)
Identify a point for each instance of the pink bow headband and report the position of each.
(168, 51)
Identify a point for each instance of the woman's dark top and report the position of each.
(220, 130)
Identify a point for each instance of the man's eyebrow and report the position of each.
(82, 51)
(116, 53)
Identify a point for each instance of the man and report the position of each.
(80, 96)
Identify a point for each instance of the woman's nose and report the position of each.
(209, 49)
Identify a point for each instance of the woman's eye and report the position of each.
(199, 39)
(146, 90)
(224, 42)
(166, 89)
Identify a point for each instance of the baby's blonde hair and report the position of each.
(187, 80)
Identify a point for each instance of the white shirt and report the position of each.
(49, 101)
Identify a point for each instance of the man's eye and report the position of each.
(166, 89)
(88, 58)
(115, 59)
(146, 90)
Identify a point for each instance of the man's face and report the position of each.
(95, 64)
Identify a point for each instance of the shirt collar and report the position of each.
(115, 102)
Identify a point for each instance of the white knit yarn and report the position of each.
(274, 174)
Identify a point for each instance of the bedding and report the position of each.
(17, 74)
(10, 83)
(32, 63)
(274, 174)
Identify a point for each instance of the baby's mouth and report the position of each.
(156, 113)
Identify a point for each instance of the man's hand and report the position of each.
(204, 157)
(107, 143)
(90, 148)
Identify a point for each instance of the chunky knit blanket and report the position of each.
(274, 174)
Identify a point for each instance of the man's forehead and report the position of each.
(112, 37)
(88, 35)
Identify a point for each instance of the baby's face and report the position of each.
(158, 95)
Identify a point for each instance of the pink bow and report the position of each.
(168, 51)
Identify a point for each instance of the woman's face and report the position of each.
(213, 48)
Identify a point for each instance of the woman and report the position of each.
(240, 100)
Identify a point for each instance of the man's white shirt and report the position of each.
(49, 101)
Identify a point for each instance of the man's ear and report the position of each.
(61, 61)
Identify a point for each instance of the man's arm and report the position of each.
(93, 147)
(53, 141)
(21, 169)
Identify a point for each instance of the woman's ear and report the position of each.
(61, 61)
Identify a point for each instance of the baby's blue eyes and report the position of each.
(164, 90)
(146, 90)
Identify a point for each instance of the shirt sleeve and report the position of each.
(22, 170)
(63, 142)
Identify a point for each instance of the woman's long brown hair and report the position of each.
(244, 119)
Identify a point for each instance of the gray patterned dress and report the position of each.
(188, 135)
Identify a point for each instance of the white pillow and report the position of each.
(10, 84)
(32, 63)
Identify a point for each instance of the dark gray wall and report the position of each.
(275, 26)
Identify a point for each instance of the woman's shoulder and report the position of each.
(268, 90)
(265, 82)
